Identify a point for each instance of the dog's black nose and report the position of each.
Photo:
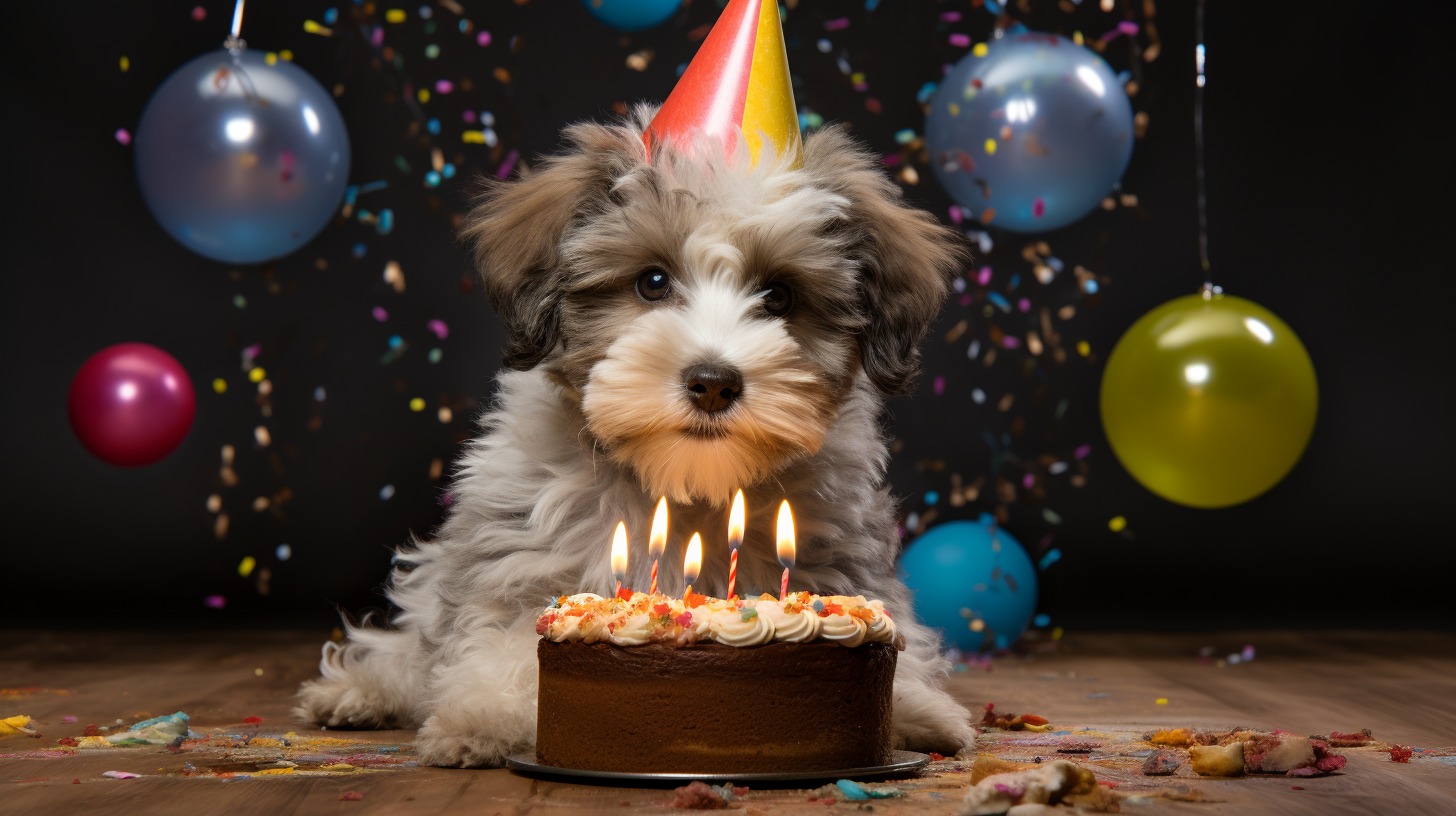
(712, 387)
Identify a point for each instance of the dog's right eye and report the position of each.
(654, 284)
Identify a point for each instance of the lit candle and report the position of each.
(735, 540)
(619, 554)
(657, 542)
(786, 545)
(692, 563)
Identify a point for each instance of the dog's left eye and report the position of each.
(653, 284)
(778, 298)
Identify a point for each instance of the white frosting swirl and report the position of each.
(683, 625)
(741, 627)
(565, 627)
(633, 629)
(594, 627)
(568, 616)
(701, 627)
(844, 629)
(797, 626)
(881, 629)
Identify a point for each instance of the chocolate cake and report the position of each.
(647, 684)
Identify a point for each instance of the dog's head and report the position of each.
(710, 313)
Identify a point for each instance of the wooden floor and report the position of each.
(1101, 689)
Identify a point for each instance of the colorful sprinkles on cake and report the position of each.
(638, 618)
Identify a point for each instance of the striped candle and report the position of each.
(732, 571)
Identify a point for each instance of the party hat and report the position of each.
(738, 81)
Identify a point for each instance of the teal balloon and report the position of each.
(1029, 132)
(632, 15)
(240, 160)
(973, 581)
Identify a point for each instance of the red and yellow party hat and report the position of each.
(737, 82)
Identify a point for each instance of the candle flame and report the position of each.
(693, 561)
(619, 551)
(657, 543)
(735, 521)
(786, 535)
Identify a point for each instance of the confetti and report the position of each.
(394, 276)
(1018, 330)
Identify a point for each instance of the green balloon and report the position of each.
(1209, 400)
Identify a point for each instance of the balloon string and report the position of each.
(1199, 56)
(234, 43)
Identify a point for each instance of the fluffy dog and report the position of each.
(681, 323)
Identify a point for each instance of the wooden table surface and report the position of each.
(1094, 687)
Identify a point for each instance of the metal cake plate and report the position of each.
(900, 762)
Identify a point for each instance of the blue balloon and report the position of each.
(973, 581)
(240, 160)
(632, 15)
(1030, 132)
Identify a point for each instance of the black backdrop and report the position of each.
(1327, 180)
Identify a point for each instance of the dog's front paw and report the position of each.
(339, 704)
(448, 745)
(927, 719)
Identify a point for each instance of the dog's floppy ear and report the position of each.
(516, 228)
(907, 258)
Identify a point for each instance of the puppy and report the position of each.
(681, 322)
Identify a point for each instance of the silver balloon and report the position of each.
(1030, 132)
(241, 160)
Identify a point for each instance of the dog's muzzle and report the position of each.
(712, 387)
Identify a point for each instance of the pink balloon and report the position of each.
(131, 404)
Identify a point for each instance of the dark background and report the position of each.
(1328, 181)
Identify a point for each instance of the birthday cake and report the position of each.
(651, 684)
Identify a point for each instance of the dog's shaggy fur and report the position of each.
(593, 420)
